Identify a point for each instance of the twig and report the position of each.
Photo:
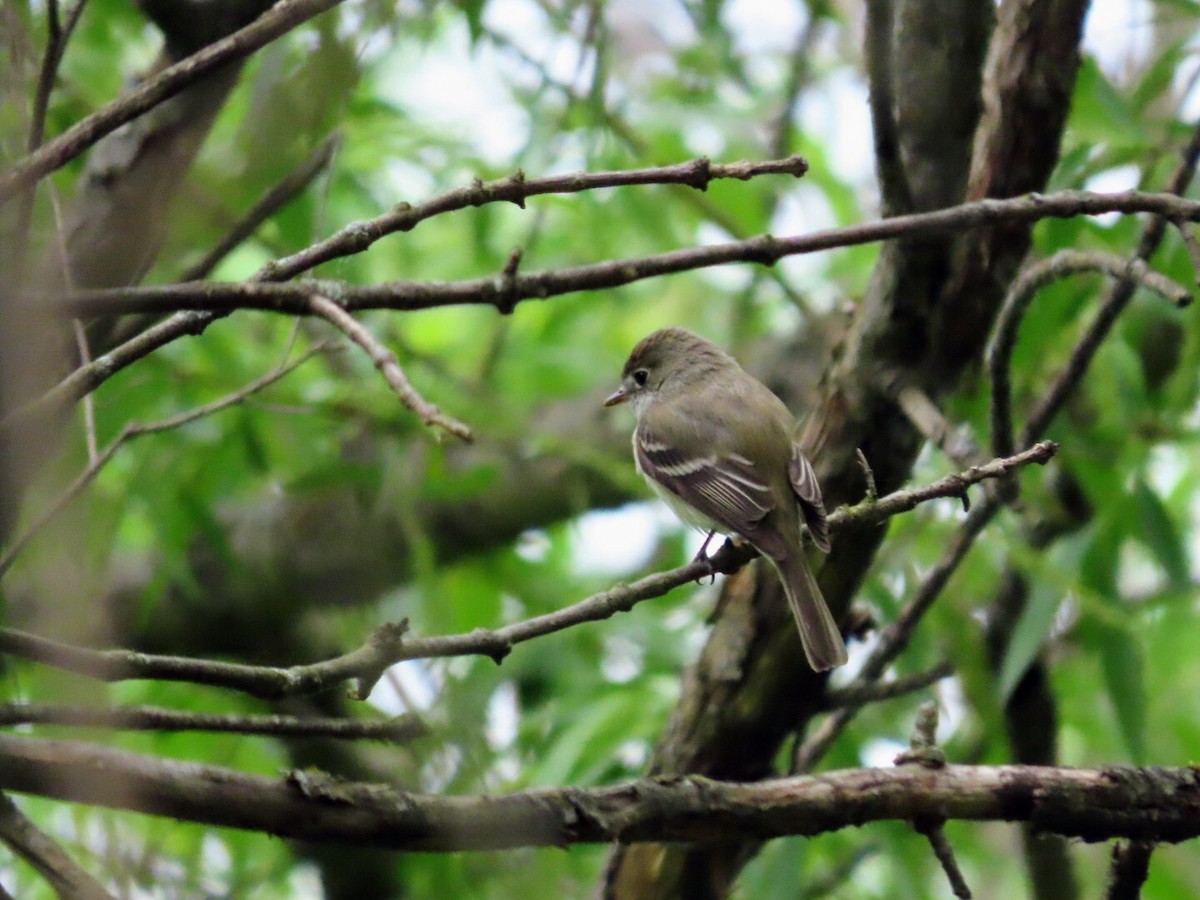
(935, 833)
(38, 849)
(390, 644)
(1130, 867)
(276, 21)
(923, 749)
(291, 185)
(89, 408)
(401, 729)
(868, 513)
(80, 332)
(133, 430)
(1021, 294)
(924, 752)
(1189, 243)
(872, 492)
(389, 367)
(857, 695)
(58, 33)
(764, 249)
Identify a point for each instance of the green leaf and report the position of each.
(473, 11)
(1159, 534)
(1124, 677)
(1027, 637)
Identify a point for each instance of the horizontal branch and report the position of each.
(505, 291)
(1157, 804)
(390, 644)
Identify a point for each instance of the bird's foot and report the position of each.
(702, 557)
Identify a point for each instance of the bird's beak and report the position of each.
(620, 395)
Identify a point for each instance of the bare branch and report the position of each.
(390, 644)
(278, 20)
(765, 249)
(935, 833)
(1189, 243)
(401, 729)
(924, 752)
(861, 694)
(37, 848)
(89, 408)
(869, 513)
(58, 34)
(1021, 294)
(1093, 804)
(930, 422)
(389, 367)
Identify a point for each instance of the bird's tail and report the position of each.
(819, 633)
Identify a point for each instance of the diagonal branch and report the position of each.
(1129, 869)
(278, 20)
(516, 188)
(36, 847)
(390, 644)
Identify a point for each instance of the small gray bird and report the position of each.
(717, 446)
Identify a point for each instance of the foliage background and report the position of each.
(243, 534)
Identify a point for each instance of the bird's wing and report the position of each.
(724, 487)
(808, 491)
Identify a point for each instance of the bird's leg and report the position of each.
(702, 556)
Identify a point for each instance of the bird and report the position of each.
(716, 445)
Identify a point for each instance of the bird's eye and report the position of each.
(639, 377)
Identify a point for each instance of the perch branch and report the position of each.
(390, 644)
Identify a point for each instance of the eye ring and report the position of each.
(640, 376)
